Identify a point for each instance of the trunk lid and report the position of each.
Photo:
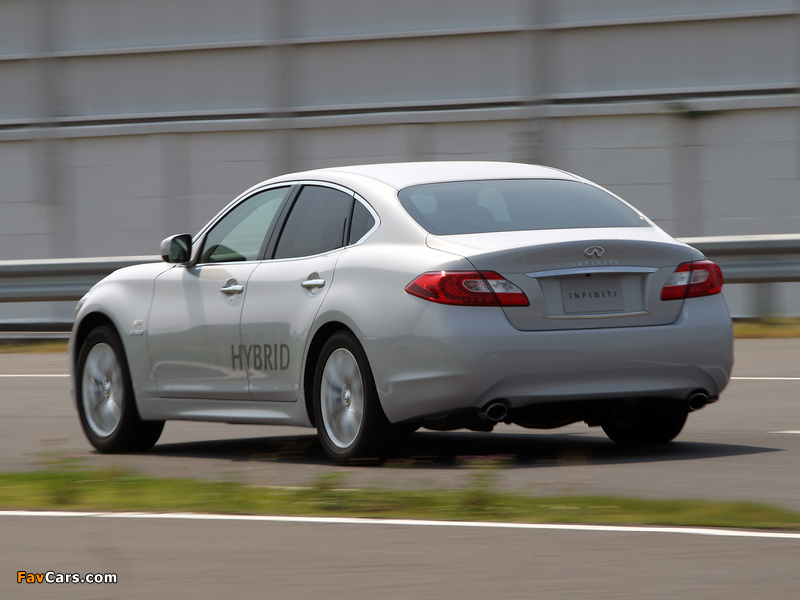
(579, 278)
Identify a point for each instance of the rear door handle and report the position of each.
(232, 288)
(311, 284)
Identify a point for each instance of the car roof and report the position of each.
(402, 175)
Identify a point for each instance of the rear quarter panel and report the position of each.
(368, 296)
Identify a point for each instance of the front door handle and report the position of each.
(231, 288)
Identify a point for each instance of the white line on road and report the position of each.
(31, 375)
(766, 378)
(704, 531)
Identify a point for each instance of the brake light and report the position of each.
(467, 288)
(693, 279)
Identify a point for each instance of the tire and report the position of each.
(639, 429)
(105, 399)
(349, 418)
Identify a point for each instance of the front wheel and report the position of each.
(350, 420)
(106, 403)
(656, 427)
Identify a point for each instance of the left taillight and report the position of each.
(467, 288)
(693, 279)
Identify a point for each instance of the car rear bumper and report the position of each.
(463, 358)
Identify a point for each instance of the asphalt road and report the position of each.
(746, 447)
(731, 450)
(164, 558)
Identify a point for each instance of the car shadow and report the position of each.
(453, 449)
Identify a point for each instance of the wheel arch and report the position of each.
(88, 323)
(312, 357)
(129, 433)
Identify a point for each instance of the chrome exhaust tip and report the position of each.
(494, 412)
(697, 401)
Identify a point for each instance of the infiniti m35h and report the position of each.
(370, 301)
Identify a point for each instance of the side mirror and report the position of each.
(177, 248)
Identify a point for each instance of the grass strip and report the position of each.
(116, 490)
(16, 346)
(777, 328)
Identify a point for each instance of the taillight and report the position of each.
(467, 288)
(693, 279)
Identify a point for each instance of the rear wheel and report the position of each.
(106, 403)
(349, 417)
(656, 427)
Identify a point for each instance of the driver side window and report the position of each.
(239, 235)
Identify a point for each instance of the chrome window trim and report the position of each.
(349, 192)
(198, 241)
(300, 185)
(318, 183)
(235, 202)
(293, 258)
(374, 227)
(287, 184)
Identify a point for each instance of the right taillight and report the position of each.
(693, 279)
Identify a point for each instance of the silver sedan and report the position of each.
(370, 301)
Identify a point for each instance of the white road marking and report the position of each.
(790, 431)
(766, 378)
(703, 531)
(32, 375)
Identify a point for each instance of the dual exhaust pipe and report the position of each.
(495, 412)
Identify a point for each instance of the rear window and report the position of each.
(514, 205)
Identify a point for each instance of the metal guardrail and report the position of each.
(743, 259)
(58, 278)
(753, 258)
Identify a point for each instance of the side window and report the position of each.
(316, 223)
(240, 234)
(361, 223)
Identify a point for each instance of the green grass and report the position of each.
(777, 328)
(79, 489)
(14, 346)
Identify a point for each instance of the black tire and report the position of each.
(105, 399)
(350, 421)
(643, 428)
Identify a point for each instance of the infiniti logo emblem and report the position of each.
(594, 251)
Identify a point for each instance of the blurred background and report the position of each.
(124, 121)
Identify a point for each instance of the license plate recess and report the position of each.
(592, 294)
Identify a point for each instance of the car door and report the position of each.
(193, 333)
(286, 292)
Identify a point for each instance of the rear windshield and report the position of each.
(514, 205)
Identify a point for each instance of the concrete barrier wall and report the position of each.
(122, 121)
